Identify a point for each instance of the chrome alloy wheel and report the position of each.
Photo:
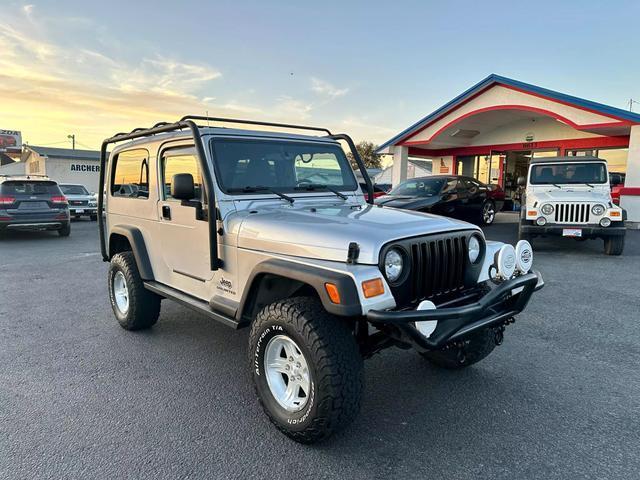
(287, 373)
(121, 292)
(488, 213)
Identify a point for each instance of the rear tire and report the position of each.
(614, 245)
(65, 230)
(326, 348)
(135, 307)
(474, 349)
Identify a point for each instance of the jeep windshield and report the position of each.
(261, 166)
(568, 173)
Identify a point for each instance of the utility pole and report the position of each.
(73, 140)
(631, 102)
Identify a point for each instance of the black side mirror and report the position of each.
(522, 181)
(616, 179)
(182, 186)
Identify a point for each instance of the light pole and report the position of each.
(73, 140)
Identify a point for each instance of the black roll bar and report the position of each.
(165, 127)
(361, 166)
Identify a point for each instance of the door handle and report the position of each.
(166, 212)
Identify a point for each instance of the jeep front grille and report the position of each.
(572, 212)
(437, 266)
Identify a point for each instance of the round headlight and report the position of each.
(474, 249)
(547, 209)
(505, 261)
(393, 265)
(598, 209)
(541, 221)
(524, 256)
(605, 222)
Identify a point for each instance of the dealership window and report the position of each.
(131, 174)
(616, 157)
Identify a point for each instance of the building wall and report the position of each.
(16, 168)
(543, 129)
(84, 172)
(502, 96)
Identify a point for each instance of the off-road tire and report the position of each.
(334, 362)
(93, 217)
(144, 306)
(481, 217)
(65, 230)
(614, 245)
(475, 347)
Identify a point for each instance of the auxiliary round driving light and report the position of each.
(524, 256)
(605, 222)
(505, 261)
(541, 221)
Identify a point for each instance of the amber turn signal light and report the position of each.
(332, 291)
(373, 287)
(614, 214)
(532, 213)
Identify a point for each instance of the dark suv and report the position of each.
(33, 203)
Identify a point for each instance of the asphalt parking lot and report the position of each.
(82, 398)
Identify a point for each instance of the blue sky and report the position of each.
(368, 68)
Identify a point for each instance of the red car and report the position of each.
(616, 180)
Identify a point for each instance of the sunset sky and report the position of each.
(367, 68)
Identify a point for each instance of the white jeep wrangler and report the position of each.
(571, 196)
(271, 231)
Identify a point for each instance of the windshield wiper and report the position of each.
(317, 186)
(260, 188)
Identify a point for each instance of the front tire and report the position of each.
(614, 245)
(94, 218)
(469, 351)
(306, 368)
(135, 307)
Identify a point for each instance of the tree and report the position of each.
(367, 151)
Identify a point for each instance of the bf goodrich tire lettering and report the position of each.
(334, 362)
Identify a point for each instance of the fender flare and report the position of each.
(311, 275)
(138, 246)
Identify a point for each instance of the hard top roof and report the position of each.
(567, 159)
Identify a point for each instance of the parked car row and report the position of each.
(35, 202)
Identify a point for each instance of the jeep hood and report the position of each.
(571, 195)
(324, 232)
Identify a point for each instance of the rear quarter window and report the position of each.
(130, 174)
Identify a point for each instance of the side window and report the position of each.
(451, 185)
(181, 161)
(130, 176)
(472, 186)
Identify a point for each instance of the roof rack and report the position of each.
(188, 121)
(255, 122)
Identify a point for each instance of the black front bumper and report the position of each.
(614, 230)
(498, 305)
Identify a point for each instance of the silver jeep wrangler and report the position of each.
(271, 231)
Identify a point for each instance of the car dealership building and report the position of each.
(494, 129)
(63, 165)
